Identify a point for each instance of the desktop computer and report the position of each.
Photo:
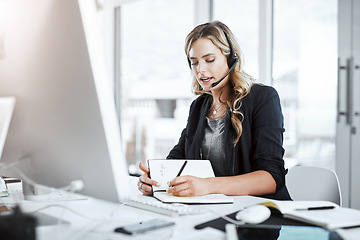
(64, 125)
(65, 128)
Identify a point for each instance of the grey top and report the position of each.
(213, 147)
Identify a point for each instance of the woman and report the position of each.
(236, 124)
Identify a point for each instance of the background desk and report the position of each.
(102, 217)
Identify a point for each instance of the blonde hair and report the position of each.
(241, 82)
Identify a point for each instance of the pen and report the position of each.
(316, 208)
(182, 168)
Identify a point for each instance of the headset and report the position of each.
(232, 59)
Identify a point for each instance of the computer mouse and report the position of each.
(254, 214)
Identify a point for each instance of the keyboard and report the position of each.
(169, 209)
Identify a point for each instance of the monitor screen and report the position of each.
(64, 124)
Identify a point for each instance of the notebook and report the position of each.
(320, 213)
(163, 171)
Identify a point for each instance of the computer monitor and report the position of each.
(64, 124)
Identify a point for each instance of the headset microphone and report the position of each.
(232, 67)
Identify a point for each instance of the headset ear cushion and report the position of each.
(231, 58)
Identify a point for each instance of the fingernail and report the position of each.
(157, 184)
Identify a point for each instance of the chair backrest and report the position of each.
(313, 183)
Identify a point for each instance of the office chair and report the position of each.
(313, 183)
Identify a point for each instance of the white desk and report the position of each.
(106, 216)
(103, 217)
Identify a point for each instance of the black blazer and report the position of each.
(260, 145)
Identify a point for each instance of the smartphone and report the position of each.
(268, 232)
(142, 227)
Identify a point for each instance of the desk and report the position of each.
(103, 217)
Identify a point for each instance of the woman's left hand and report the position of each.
(189, 186)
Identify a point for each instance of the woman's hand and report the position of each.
(189, 186)
(145, 183)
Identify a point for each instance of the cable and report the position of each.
(4, 166)
(73, 187)
(116, 208)
(233, 221)
(76, 233)
(62, 206)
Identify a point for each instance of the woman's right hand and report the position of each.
(145, 183)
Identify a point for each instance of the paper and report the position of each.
(290, 206)
(163, 171)
(331, 219)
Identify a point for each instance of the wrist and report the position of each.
(211, 185)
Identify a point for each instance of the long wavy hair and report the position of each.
(240, 81)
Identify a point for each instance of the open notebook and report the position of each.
(163, 171)
(320, 213)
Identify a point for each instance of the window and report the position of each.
(304, 73)
(156, 81)
(155, 77)
(243, 20)
(304, 69)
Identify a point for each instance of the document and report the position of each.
(165, 170)
(320, 213)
